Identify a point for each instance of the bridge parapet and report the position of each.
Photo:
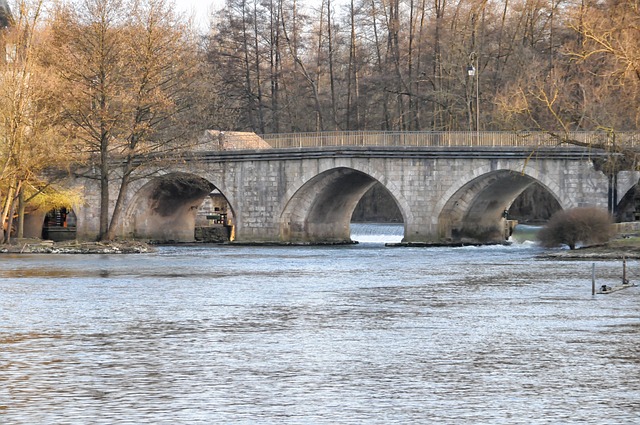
(439, 138)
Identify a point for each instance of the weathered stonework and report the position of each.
(308, 195)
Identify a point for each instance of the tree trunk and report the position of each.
(437, 119)
(305, 74)
(21, 207)
(379, 62)
(332, 82)
(256, 47)
(11, 211)
(275, 67)
(353, 92)
(247, 66)
(6, 226)
(127, 169)
(104, 188)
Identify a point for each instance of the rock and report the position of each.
(75, 247)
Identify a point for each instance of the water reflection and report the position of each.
(354, 334)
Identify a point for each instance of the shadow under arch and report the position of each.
(164, 209)
(320, 210)
(476, 211)
(628, 209)
(57, 224)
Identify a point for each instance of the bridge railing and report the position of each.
(435, 138)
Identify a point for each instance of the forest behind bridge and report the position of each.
(301, 65)
(95, 86)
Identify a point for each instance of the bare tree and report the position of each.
(400, 64)
(128, 71)
(29, 138)
(353, 83)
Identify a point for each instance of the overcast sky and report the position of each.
(200, 9)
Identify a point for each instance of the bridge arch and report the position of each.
(164, 208)
(475, 210)
(542, 178)
(320, 209)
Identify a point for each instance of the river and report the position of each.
(360, 334)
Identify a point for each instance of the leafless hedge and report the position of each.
(588, 226)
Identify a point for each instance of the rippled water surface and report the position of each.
(316, 335)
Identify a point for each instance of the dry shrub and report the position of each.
(588, 226)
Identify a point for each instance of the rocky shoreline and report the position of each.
(610, 251)
(34, 246)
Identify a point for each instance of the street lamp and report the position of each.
(473, 71)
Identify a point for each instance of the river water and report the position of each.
(317, 335)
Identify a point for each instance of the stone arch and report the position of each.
(164, 208)
(57, 224)
(474, 210)
(542, 178)
(381, 178)
(319, 210)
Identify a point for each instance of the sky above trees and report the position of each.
(200, 9)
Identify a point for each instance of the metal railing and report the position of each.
(442, 138)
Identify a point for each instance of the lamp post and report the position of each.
(474, 71)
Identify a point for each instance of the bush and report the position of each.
(588, 226)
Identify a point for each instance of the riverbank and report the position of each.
(615, 249)
(36, 246)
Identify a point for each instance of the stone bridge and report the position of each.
(307, 195)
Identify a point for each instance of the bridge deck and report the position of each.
(458, 152)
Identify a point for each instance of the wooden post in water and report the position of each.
(593, 278)
(624, 270)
